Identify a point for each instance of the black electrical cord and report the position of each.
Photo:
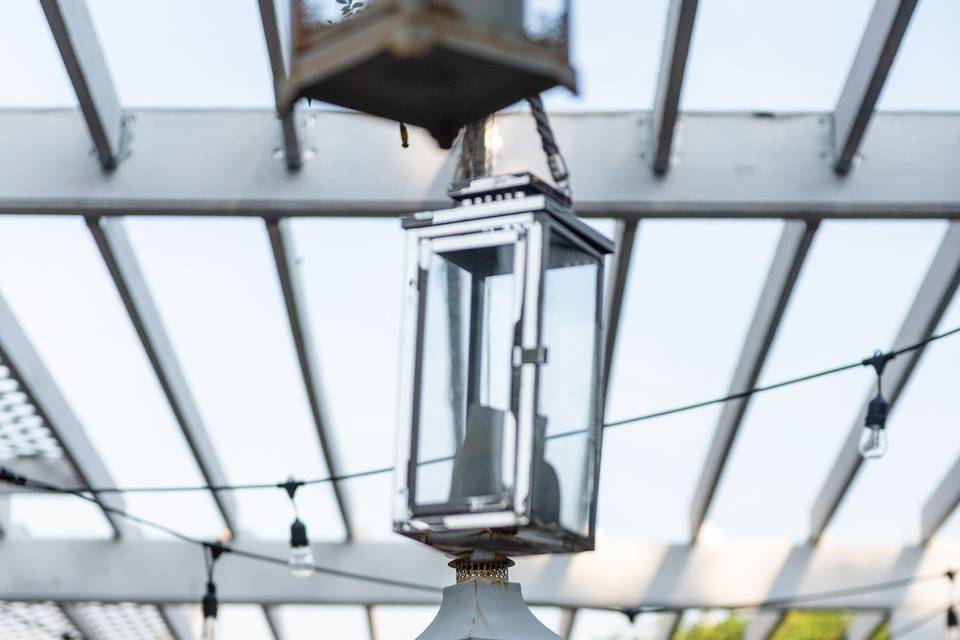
(909, 627)
(873, 361)
(866, 362)
(215, 549)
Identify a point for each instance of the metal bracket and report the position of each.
(124, 149)
(537, 355)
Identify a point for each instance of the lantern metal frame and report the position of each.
(524, 212)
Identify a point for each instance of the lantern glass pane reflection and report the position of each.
(568, 406)
(466, 383)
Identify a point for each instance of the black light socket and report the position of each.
(298, 534)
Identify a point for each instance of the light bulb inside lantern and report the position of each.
(301, 558)
(873, 441)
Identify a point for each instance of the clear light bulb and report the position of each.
(873, 441)
(301, 562)
(301, 558)
(211, 629)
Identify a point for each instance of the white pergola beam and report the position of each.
(878, 48)
(919, 622)
(176, 622)
(278, 42)
(681, 15)
(568, 618)
(74, 613)
(86, 66)
(946, 496)
(669, 626)
(931, 301)
(371, 623)
(621, 575)
(788, 259)
(292, 287)
(625, 236)
(763, 625)
(865, 624)
(272, 616)
(735, 166)
(19, 354)
(121, 261)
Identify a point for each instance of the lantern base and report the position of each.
(482, 610)
(429, 70)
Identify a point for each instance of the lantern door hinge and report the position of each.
(536, 355)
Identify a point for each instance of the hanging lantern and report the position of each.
(438, 64)
(501, 405)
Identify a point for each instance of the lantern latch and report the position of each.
(537, 355)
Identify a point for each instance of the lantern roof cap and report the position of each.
(493, 196)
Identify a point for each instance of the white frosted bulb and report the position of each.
(211, 629)
(301, 562)
(873, 441)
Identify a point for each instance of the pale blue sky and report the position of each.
(686, 310)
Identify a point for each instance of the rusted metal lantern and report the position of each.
(500, 403)
(438, 64)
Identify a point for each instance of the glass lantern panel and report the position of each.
(566, 422)
(322, 13)
(547, 21)
(542, 21)
(466, 380)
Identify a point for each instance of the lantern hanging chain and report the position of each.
(214, 550)
(558, 166)
(10, 477)
(473, 162)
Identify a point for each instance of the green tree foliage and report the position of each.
(883, 633)
(809, 625)
(797, 625)
(729, 629)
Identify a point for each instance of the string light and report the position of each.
(952, 621)
(873, 440)
(868, 362)
(301, 557)
(211, 625)
(215, 549)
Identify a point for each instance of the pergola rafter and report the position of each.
(83, 58)
(681, 15)
(121, 261)
(277, 38)
(788, 259)
(281, 239)
(868, 73)
(930, 302)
